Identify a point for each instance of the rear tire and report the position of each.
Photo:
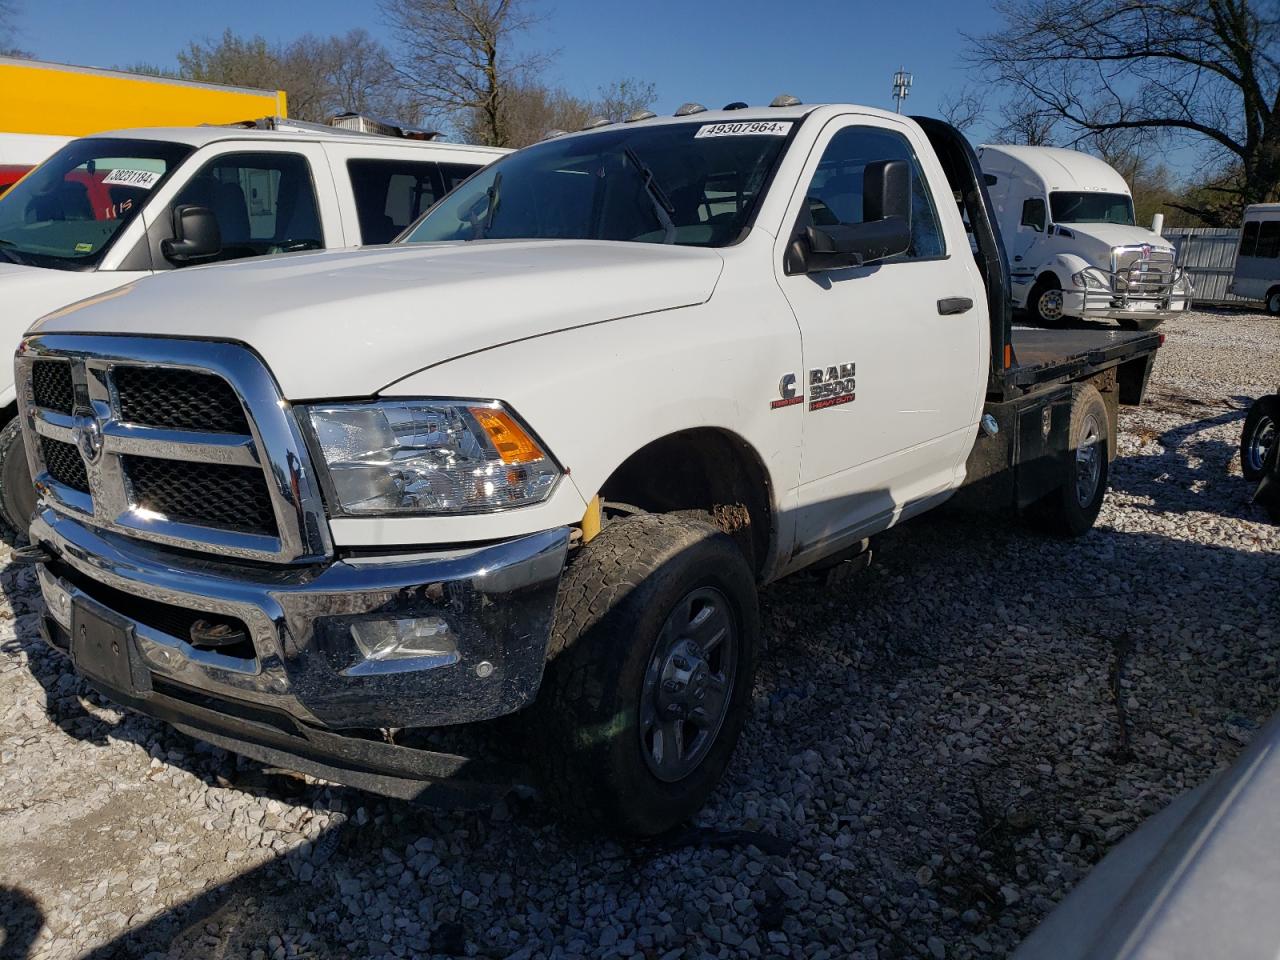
(1130, 323)
(1273, 302)
(655, 618)
(17, 490)
(1072, 509)
(1261, 428)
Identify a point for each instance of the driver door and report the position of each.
(267, 199)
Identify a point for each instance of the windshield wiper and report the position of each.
(9, 254)
(662, 206)
(494, 193)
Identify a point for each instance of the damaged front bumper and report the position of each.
(274, 669)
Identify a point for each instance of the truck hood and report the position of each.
(1104, 236)
(28, 293)
(347, 323)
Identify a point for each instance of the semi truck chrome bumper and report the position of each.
(309, 643)
(1103, 305)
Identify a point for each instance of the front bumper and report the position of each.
(300, 660)
(1104, 305)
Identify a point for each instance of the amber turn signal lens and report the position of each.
(512, 443)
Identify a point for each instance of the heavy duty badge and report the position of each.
(831, 387)
(787, 393)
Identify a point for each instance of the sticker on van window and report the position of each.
(750, 128)
(84, 248)
(145, 179)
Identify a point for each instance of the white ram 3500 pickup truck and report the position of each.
(1074, 250)
(109, 209)
(319, 508)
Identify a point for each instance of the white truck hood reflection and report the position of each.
(347, 323)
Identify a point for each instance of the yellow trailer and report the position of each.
(51, 98)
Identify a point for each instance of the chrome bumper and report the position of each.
(497, 600)
(1101, 305)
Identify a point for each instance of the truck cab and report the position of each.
(1073, 247)
(106, 210)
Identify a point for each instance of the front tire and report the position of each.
(1072, 509)
(1261, 427)
(649, 674)
(17, 490)
(1045, 303)
(1273, 302)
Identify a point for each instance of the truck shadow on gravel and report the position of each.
(961, 636)
(1191, 465)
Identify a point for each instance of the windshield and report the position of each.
(685, 183)
(66, 212)
(1091, 208)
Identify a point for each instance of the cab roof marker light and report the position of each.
(641, 115)
(596, 122)
(785, 100)
(552, 134)
(736, 105)
(689, 109)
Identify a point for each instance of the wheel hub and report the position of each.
(1088, 462)
(683, 686)
(688, 684)
(1260, 443)
(1051, 304)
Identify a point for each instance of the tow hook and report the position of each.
(31, 553)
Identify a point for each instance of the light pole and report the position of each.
(901, 88)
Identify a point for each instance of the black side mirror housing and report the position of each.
(196, 236)
(885, 230)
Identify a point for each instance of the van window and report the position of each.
(1268, 239)
(264, 203)
(391, 194)
(1249, 239)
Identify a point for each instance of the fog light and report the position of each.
(417, 638)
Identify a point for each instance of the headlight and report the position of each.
(1091, 277)
(430, 456)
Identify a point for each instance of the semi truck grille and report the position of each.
(185, 443)
(204, 494)
(1139, 275)
(64, 464)
(51, 385)
(178, 400)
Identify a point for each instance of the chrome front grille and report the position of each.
(1143, 273)
(180, 442)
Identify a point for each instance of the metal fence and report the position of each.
(1209, 255)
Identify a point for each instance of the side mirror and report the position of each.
(885, 230)
(196, 236)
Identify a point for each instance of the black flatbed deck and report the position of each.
(1056, 356)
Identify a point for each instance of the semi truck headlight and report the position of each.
(429, 457)
(1091, 277)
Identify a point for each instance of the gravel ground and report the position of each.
(940, 749)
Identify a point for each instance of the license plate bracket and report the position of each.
(102, 648)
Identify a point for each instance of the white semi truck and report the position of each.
(1073, 247)
(536, 459)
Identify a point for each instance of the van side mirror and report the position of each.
(196, 236)
(885, 230)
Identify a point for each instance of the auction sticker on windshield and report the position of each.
(146, 179)
(751, 128)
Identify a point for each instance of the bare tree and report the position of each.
(321, 75)
(9, 10)
(456, 59)
(1025, 122)
(530, 110)
(964, 109)
(1205, 70)
(620, 99)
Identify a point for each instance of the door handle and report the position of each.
(950, 305)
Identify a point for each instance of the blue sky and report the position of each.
(713, 51)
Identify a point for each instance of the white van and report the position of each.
(1074, 249)
(1257, 272)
